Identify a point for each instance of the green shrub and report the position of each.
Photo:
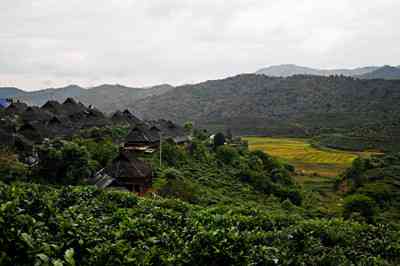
(227, 154)
(172, 154)
(361, 204)
(10, 168)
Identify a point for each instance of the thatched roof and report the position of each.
(34, 132)
(125, 117)
(142, 134)
(33, 113)
(52, 107)
(70, 106)
(16, 108)
(170, 130)
(57, 126)
(128, 168)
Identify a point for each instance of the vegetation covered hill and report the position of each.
(294, 106)
(386, 72)
(290, 70)
(210, 205)
(374, 186)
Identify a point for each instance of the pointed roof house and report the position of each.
(16, 108)
(170, 130)
(125, 117)
(53, 107)
(142, 137)
(125, 171)
(34, 114)
(70, 106)
(34, 132)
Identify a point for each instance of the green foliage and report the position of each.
(355, 172)
(172, 155)
(103, 152)
(42, 225)
(378, 179)
(358, 203)
(227, 154)
(66, 163)
(199, 151)
(10, 168)
(115, 133)
(188, 126)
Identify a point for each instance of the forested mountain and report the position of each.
(290, 70)
(7, 92)
(57, 94)
(258, 104)
(108, 98)
(386, 72)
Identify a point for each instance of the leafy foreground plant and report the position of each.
(41, 225)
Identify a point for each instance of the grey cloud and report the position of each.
(155, 41)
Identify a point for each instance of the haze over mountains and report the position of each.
(369, 72)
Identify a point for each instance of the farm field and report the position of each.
(307, 159)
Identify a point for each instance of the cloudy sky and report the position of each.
(51, 43)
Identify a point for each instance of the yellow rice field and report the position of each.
(305, 157)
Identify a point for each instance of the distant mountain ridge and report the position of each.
(107, 98)
(362, 72)
(385, 72)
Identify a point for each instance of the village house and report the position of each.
(170, 130)
(126, 172)
(142, 138)
(125, 117)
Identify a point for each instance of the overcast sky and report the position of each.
(51, 43)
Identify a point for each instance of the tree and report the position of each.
(188, 128)
(68, 164)
(361, 204)
(219, 140)
(10, 168)
(227, 154)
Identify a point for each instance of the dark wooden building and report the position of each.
(126, 172)
(142, 138)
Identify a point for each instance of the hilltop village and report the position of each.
(29, 128)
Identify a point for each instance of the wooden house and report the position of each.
(126, 172)
(142, 138)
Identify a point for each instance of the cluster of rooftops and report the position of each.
(23, 126)
(54, 119)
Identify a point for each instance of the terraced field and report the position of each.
(316, 168)
(306, 158)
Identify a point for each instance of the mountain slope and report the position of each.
(7, 92)
(386, 72)
(257, 104)
(108, 98)
(58, 94)
(290, 70)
